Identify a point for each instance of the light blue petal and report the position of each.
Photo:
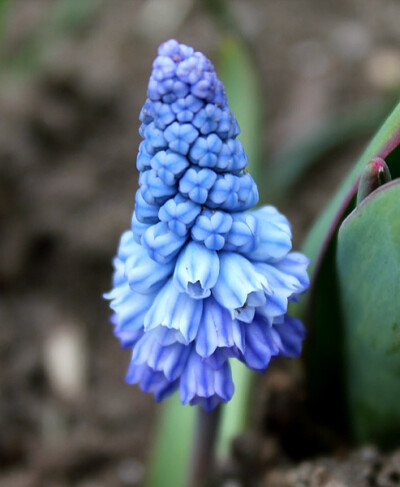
(260, 346)
(138, 228)
(238, 278)
(175, 310)
(196, 270)
(223, 382)
(274, 235)
(150, 381)
(170, 360)
(161, 244)
(143, 273)
(296, 264)
(145, 213)
(203, 385)
(289, 336)
(216, 329)
(211, 228)
(282, 285)
(179, 213)
(130, 314)
(242, 236)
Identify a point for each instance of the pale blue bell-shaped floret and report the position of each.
(180, 213)
(196, 183)
(169, 166)
(226, 124)
(296, 264)
(176, 311)
(224, 192)
(174, 50)
(153, 189)
(186, 108)
(274, 235)
(162, 114)
(161, 243)
(202, 384)
(143, 160)
(207, 119)
(180, 136)
(233, 193)
(231, 157)
(126, 247)
(206, 87)
(242, 237)
(191, 70)
(196, 270)
(150, 381)
(129, 307)
(145, 275)
(218, 330)
(154, 138)
(260, 347)
(288, 335)
(169, 359)
(163, 68)
(145, 212)
(146, 114)
(211, 228)
(240, 287)
(205, 151)
(247, 193)
(138, 228)
(282, 287)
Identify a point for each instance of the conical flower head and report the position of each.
(200, 279)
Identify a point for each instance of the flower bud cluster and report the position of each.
(198, 279)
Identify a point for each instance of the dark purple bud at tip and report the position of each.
(375, 174)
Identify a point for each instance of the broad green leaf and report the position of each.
(387, 138)
(368, 269)
(320, 307)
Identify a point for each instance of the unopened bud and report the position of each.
(375, 174)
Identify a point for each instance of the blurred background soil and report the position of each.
(73, 78)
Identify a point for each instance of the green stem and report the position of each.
(203, 465)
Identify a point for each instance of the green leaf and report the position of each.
(320, 307)
(368, 269)
(387, 138)
(4, 11)
(65, 17)
(174, 441)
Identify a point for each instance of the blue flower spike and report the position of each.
(200, 278)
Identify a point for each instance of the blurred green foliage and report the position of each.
(64, 18)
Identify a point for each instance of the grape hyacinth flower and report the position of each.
(199, 279)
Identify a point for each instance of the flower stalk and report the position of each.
(203, 468)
